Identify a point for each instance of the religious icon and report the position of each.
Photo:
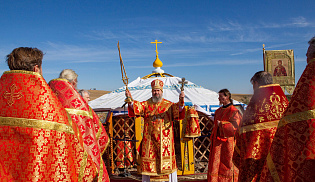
(280, 64)
(279, 68)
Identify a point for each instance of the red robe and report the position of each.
(221, 167)
(259, 124)
(192, 127)
(94, 135)
(38, 141)
(157, 154)
(292, 153)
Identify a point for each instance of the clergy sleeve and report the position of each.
(178, 111)
(228, 128)
(137, 109)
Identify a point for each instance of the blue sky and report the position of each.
(215, 44)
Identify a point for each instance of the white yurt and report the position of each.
(192, 153)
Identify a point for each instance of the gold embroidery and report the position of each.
(83, 166)
(270, 85)
(34, 123)
(11, 96)
(312, 60)
(259, 126)
(79, 112)
(60, 79)
(100, 175)
(23, 72)
(272, 169)
(296, 117)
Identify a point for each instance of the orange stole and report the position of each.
(292, 152)
(94, 135)
(259, 125)
(38, 141)
(192, 128)
(221, 167)
(157, 154)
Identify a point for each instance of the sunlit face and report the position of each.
(86, 97)
(224, 100)
(157, 95)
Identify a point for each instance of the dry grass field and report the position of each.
(245, 98)
(97, 93)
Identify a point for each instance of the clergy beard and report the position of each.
(156, 99)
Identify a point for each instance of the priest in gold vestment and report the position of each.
(39, 141)
(259, 124)
(226, 123)
(95, 138)
(292, 152)
(157, 154)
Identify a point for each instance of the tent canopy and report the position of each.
(140, 90)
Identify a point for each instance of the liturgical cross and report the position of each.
(183, 82)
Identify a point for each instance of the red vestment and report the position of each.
(292, 153)
(221, 167)
(38, 141)
(259, 124)
(93, 132)
(157, 154)
(192, 128)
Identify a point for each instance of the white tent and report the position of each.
(204, 100)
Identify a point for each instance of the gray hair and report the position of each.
(68, 74)
(311, 52)
(262, 78)
(82, 91)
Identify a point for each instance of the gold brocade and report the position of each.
(312, 60)
(157, 155)
(272, 169)
(23, 72)
(296, 117)
(34, 123)
(101, 171)
(269, 85)
(83, 165)
(259, 126)
(38, 140)
(95, 139)
(79, 112)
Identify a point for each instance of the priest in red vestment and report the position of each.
(259, 124)
(157, 154)
(226, 123)
(38, 141)
(94, 135)
(292, 153)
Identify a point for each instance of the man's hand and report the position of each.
(182, 95)
(219, 122)
(181, 98)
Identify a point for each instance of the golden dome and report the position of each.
(157, 63)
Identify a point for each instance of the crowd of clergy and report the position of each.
(48, 132)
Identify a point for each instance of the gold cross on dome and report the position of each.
(156, 42)
(11, 96)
